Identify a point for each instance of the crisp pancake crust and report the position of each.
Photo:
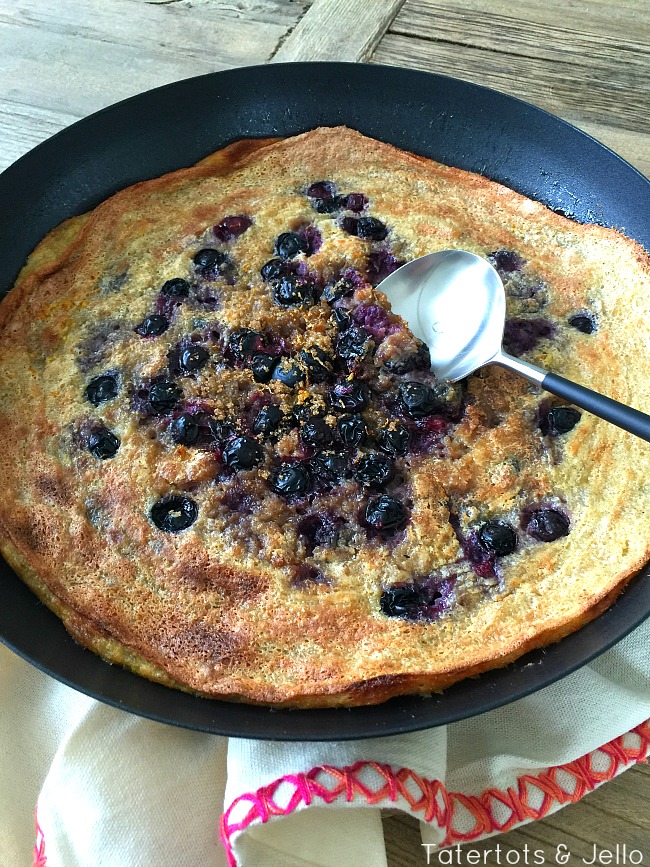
(292, 557)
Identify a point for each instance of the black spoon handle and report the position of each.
(619, 414)
(632, 420)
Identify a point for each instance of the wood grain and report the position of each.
(610, 815)
(338, 30)
(590, 65)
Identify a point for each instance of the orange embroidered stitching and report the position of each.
(433, 799)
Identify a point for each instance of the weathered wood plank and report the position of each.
(612, 814)
(338, 30)
(560, 88)
(22, 127)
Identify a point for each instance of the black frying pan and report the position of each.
(174, 126)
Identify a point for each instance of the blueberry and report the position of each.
(193, 358)
(174, 514)
(289, 291)
(349, 395)
(164, 395)
(342, 317)
(303, 412)
(419, 359)
(185, 429)
(386, 514)
(381, 263)
(289, 479)
(506, 261)
(242, 344)
(374, 470)
(338, 289)
(288, 373)
(317, 530)
(352, 430)
(289, 244)
(371, 228)
(268, 419)
(522, 335)
(329, 468)
(222, 431)
(417, 399)
(210, 263)
(547, 525)
(315, 433)
(327, 206)
(498, 538)
(559, 420)
(321, 190)
(152, 326)
(273, 269)
(232, 227)
(354, 343)
(401, 602)
(318, 364)
(394, 440)
(354, 202)
(176, 288)
(242, 453)
(262, 366)
(350, 225)
(103, 443)
(102, 388)
(583, 322)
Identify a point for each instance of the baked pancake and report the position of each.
(229, 468)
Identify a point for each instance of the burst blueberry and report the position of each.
(415, 359)
(211, 263)
(349, 395)
(288, 372)
(354, 343)
(193, 358)
(273, 269)
(498, 538)
(329, 468)
(102, 388)
(289, 479)
(352, 431)
(242, 344)
(559, 420)
(268, 420)
(547, 525)
(262, 366)
(395, 440)
(290, 244)
(152, 326)
(342, 318)
(242, 453)
(321, 190)
(317, 363)
(338, 289)
(185, 429)
(386, 514)
(176, 288)
(222, 430)
(370, 228)
(103, 444)
(164, 396)
(174, 514)
(583, 322)
(289, 291)
(232, 227)
(315, 433)
(373, 470)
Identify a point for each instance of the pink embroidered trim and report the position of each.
(39, 847)
(327, 784)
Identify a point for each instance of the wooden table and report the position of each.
(587, 62)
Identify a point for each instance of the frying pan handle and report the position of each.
(632, 420)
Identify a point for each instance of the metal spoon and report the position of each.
(455, 302)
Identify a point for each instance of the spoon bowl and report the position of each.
(455, 302)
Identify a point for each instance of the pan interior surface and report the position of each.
(455, 122)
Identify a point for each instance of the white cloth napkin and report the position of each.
(113, 790)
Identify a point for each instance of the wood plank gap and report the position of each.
(344, 30)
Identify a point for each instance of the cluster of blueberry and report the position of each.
(332, 451)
